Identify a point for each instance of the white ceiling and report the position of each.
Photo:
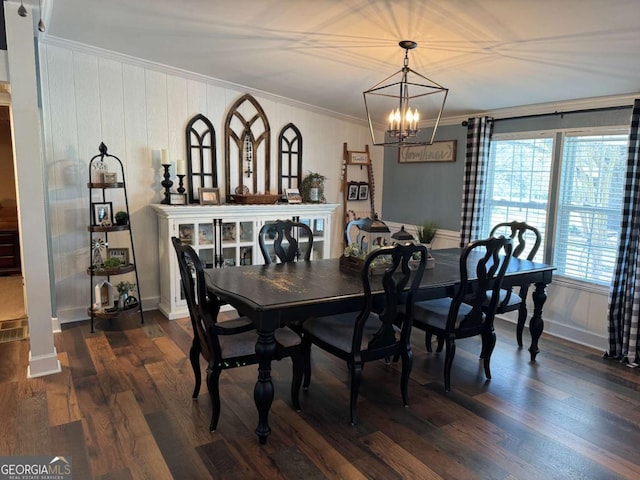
(491, 54)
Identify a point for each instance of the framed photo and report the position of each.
(177, 199)
(209, 196)
(121, 254)
(436, 152)
(185, 233)
(363, 191)
(110, 177)
(358, 158)
(229, 232)
(102, 213)
(352, 193)
(293, 195)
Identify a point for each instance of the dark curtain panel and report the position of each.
(479, 132)
(624, 295)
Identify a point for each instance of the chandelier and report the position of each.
(411, 107)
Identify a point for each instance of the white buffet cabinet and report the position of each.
(241, 224)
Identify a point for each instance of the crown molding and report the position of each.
(520, 111)
(169, 70)
(550, 107)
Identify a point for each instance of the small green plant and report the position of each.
(312, 188)
(427, 231)
(112, 262)
(122, 217)
(125, 287)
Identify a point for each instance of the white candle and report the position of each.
(165, 157)
(180, 167)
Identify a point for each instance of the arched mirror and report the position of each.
(289, 158)
(247, 148)
(202, 164)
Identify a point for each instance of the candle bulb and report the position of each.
(165, 157)
(180, 167)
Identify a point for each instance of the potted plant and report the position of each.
(111, 262)
(122, 218)
(312, 188)
(123, 291)
(427, 231)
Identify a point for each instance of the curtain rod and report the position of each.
(583, 110)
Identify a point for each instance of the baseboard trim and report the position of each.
(565, 332)
(43, 365)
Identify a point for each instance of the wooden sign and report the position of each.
(436, 152)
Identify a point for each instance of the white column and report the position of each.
(43, 358)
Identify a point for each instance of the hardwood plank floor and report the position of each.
(122, 408)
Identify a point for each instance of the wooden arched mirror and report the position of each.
(202, 164)
(289, 158)
(247, 148)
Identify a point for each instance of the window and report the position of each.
(578, 213)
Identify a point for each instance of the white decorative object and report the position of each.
(104, 295)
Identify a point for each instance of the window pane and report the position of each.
(589, 206)
(518, 184)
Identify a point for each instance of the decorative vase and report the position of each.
(123, 299)
(315, 192)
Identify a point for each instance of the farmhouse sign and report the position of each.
(436, 152)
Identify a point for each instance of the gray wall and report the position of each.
(415, 192)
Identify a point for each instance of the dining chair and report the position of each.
(292, 241)
(363, 336)
(226, 344)
(466, 313)
(510, 301)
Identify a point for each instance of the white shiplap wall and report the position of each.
(91, 96)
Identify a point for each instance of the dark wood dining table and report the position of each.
(278, 294)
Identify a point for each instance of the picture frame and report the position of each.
(121, 254)
(102, 213)
(444, 151)
(293, 195)
(185, 233)
(177, 198)
(110, 177)
(363, 191)
(358, 158)
(352, 192)
(209, 196)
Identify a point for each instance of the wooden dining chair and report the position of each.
(363, 336)
(292, 241)
(227, 344)
(466, 313)
(527, 240)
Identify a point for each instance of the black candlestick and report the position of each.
(180, 184)
(166, 183)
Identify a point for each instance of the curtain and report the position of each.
(624, 294)
(479, 130)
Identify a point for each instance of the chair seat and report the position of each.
(514, 299)
(244, 344)
(435, 312)
(337, 330)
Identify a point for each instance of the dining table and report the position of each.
(276, 295)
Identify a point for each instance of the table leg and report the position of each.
(263, 391)
(536, 325)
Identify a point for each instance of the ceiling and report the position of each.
(491, 54)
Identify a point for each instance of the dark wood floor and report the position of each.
(122, 408)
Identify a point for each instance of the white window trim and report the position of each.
(558, 136)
